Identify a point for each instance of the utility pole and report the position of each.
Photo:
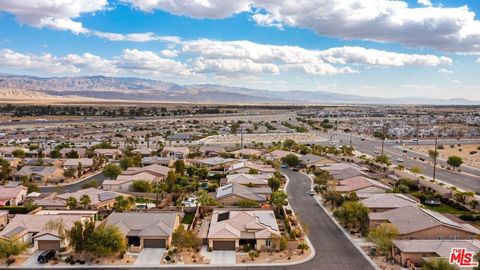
(350, 138)
(418, 124)
(241, 136)
(435, 156)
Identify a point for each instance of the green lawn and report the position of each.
(188, 218)
(443, 208)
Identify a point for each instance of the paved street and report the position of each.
(77, 186)
(469, 180)
(333, 250)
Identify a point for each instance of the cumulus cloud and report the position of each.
(426, 3)
(30, 62)
(233, 67)
(452, 29)
(445, 71)
(478, 61)
(59, 14)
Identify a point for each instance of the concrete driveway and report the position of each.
(32, 260)
(150, 256)
(223, 257)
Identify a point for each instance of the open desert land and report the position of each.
(264, 138)
(470, 153)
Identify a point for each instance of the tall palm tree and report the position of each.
(85, 200)
(71, 202)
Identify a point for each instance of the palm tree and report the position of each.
(85, 200)
(57, 225)
(160, 188)
(433, 154)
(72, 202)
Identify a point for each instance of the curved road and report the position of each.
(333, 250)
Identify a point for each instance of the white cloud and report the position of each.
(456, 82)
(478, 61)
(426, 3)
(233, 67)
(169, 53)
(56, 14)
(149, 63)
(296, 55)
(445, 71)
(91, 64)
(452, 29)
(44, 62)
(135, 37)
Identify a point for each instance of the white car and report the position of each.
(399, 160)
(312, 192)
(376, 152)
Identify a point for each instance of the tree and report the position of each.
(180, 167)
(160, 188)
(433, 154)
(274, 183)
(247, 203)
(56, 225)
(321, 177)
(18, 153)
(253, 254)
(127, 162)
(70, 172)
(291, 160)
(80, 234)
(142, 186)
(121, 204)
(79, 169)
(55, 153)
(455, 161)
(11, 248)
(5, 169)
(382, 237)
(302, 246)
(384, 160)
(252, 171)
(278, 199)
(288, 144)
(333, 197)
(72, 154)
(416, 170)
(171, 180)
(85, 201)
(438, 264)
(112, 171)
(184, 239)
(105, 241)
(71, 202)
(351, 213)
(204, 199)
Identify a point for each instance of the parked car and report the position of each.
(312, 192)
(399, 160)
(284, 166)
(295, 169)
(46, 256)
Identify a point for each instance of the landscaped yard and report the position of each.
(443, 208)
(188, 218)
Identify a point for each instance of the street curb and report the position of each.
(343, 231)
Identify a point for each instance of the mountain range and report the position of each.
(137, 89)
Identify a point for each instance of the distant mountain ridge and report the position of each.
(137, 89)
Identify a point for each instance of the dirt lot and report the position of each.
(275, 257)
(463, 151)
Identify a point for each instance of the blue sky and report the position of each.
(368, 47)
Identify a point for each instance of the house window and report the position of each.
(268, 243)
(440, 237)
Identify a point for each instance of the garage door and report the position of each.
(223, 245)
(154, 243)
(48, 244)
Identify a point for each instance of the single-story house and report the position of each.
(165, 161)
(100, 199)
(175, 152)
(418, 223)
(213, 162)
(342, 171)
(3, 218)
(363, 186)
(125, 181)
(413, 253)
(231, 229)
(108, 153)
(280, 154)
(145, 229)
(144, 152)
(39, 173)
(310, 160)
(82, 152)
(256, 180)
(7, 151)
(72, 163)
(247, 153)
(247, 166)
(211, 151)
(232, 193)
(155, 169)
(34, 231)
(388, 201)
(12, 196)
